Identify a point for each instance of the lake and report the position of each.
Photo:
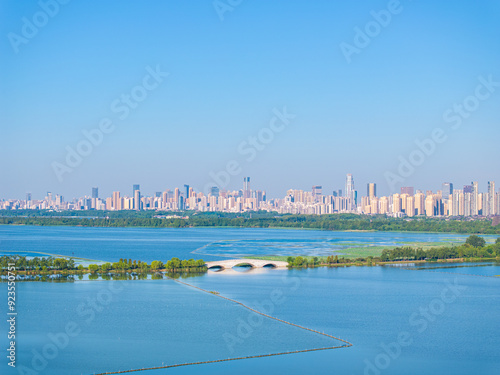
(428, 319)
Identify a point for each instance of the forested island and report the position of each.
(335, 222)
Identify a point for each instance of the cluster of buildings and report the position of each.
(467, 202)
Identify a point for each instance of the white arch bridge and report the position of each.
(254, 263)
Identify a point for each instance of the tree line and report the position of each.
(47, 264)
(474, 247)
(326, 222)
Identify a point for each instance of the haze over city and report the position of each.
(217, 80)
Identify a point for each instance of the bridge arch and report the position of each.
(254, 263)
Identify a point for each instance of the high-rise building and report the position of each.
(186, 197)
(134, 188)
(95, 192)
(492, 198)
(371, 190)
(475, 199)
(407, 190)
(410, 206)
(350, 193)
(214, 191)
(396, 203)
(137, 199)
(420, 203)
(317, 191)
(447, 190)
(246, 187)
(117, 203)
(28, 197)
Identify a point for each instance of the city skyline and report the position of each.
(360, 187)
(469, 201)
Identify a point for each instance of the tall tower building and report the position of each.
(350, 193)
(117, 202)
(186, 197)
(492, 198)
(317, 191)
(214, 191)
(371, 190)
(95, 192)
(447, 190)
(474, 199)
(407, 190)
(246, 187)
(137, 199)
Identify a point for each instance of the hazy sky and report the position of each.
(360, 83)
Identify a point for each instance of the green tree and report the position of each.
(105, 267)
(156, 265)
(93, 267)
(475, 241)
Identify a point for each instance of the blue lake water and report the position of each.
(148, 244)
(431, 319)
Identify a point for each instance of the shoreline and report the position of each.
(54, 274)
(250, 228)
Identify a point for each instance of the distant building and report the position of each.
(371, 190)
(246, 187)
(492, 198)
(407, 190)
(447, 190)
(317, 190)
(95, 192)
(214, 191)
(137, 199)
(350, 193)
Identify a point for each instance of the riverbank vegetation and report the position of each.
(474, 249)
(43, 266)
(339, 222)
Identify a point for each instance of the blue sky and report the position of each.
(226, 79)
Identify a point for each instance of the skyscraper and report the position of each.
(447, 190)
(214, 191)
(317, 190)
(350, 193)
(95, 192)
(246, 187)
(117, 203)
(137, 199)
(492, 198)
(474, 199)
(407, 190)
(134, 188)
(371, 190)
